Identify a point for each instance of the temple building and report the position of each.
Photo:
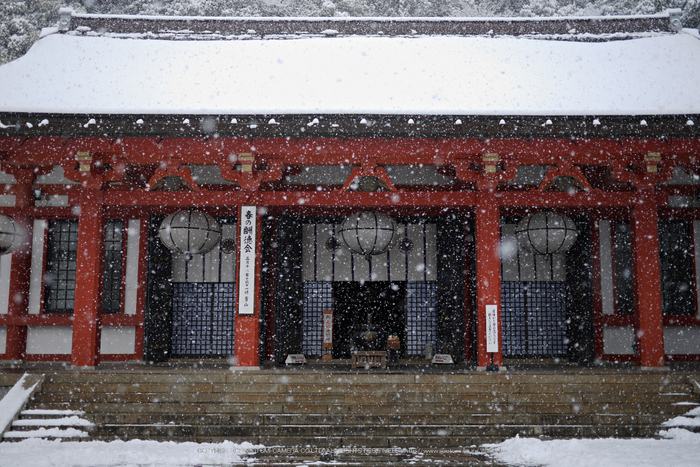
(491, 190)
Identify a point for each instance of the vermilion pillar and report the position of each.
(248, 325)
(649, 329)
(488, 272)
(88, 274)
(21, 265)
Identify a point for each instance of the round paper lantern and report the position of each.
(190, 232)
(11, 235)
(546, 232)
(368, 233)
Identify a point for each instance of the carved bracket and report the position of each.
(488, 176)
(169, 174)
(369, 168)
(249, 177)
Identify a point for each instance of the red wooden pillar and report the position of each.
(248, 325)
(488, 272)
(88, 274)
(16, 343)
(649, 329)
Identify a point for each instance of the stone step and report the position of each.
(374, 378)
(418, 390)
(49, 424)
(382, 410)
(343, 420)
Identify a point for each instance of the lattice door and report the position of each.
(534, 319)
(203, 319)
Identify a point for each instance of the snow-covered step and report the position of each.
(49, 424)
(689, 421)
(47, 433)
(65, 421)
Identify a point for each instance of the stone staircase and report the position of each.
(67, 425)
(340, 409)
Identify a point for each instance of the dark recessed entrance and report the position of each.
(366, 313)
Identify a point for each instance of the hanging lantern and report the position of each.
(546, 232)
(190, 232)
(368, 233)
(11, 235)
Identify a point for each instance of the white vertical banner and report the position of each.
(492, 328)
(246, 277)
(328, 329)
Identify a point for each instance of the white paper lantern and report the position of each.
(11, 235)
(369, 233)
(190, 232)
(546, 232)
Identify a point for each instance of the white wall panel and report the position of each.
(215, 266)
(324, 256)
(49, 340)
(430, 252)
(509, 253)
(3, 339)
(696, 245)
(37, 268)
(8, 201)
(131, 278)
(5, 274)
(527, 268)
(520, 264)
(681, 340)
(618, 340)
(559, 267)
(360, 268)
(118, 340)
(308, 252)
(397, 265)
(543, 267)
(212, 265)
(380, 267)
(415, 264)
(195, 268)
(607, 289)
(342, 264)
(321, 264)
(228, 260)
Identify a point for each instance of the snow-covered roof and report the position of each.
(83, 72)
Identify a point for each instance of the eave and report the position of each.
(349, 126)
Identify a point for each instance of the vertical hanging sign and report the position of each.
(327, 329)
(246, 277)
(492, 328)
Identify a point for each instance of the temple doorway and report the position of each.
(366, 313)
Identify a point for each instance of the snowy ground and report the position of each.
(680, 448)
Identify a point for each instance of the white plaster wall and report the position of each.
(118, 340)
(49, 340)
(7, 201)
(7, 179)
(607, 289)
(681, 340)
(52, 201)
(519, 264)
(696, 246)
(321, 264)
(215, 266)
(37, 272)
(5, 273)
(618, 340)
(3, 339)
(131, 278)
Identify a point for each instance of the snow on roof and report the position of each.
(431, 75)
